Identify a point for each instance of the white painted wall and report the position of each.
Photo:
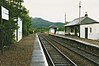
(19, 29)
(91, 35)
(51, 30)
(18, 33)
(60, 32)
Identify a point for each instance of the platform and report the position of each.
(38, 57)
(78, 40)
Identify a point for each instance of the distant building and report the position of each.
(84, 27)
(52, 29)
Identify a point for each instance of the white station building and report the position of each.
(52, 29)
(84, 27)
(18, 33)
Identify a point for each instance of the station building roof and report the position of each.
(83, 20)
(53, 26)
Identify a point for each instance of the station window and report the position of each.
(90, 30)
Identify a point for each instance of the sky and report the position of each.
(54, 10)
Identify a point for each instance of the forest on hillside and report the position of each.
(42, 25)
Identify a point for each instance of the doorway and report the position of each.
(86, 33)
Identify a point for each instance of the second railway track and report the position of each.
(92, 56)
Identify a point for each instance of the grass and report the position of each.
(19, 54)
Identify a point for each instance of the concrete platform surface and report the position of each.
(38, 57)
(81, 40)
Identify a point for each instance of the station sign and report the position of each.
(5, 13)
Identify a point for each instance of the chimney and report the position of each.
(86, 15)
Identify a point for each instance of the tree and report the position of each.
(7, 28)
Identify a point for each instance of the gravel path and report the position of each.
(18, 54)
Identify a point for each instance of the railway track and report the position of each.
(90, 56)
(78, 55)
(57, 58)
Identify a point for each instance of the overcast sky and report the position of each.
(54, 10)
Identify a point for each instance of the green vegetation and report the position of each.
(41, 25)
(16, 9)
(7, 28)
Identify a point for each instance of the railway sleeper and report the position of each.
(63, 65)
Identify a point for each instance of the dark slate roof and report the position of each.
(52, 26)
(83, 20)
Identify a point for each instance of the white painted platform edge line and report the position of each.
(80, 41)
(46, 64)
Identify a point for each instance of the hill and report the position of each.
(39, 24)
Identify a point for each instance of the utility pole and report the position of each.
(79, 10)
(65, 22)
(65, 18)
(79, 16)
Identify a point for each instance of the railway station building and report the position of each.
(18, 32)
(52, 29)
(84, 27)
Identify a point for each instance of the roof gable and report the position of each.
(87, 20)
(83, 20)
